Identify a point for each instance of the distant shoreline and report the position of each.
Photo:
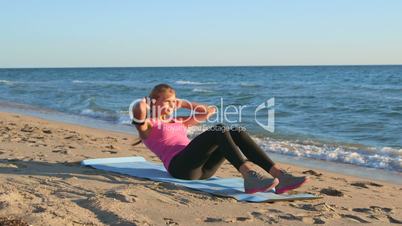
(203, 66)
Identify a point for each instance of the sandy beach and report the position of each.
(42, 183)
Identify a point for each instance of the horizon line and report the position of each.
(200, 66)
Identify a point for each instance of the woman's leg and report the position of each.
(254, 153)
(213, 163)
(200, 159)
(250, 149)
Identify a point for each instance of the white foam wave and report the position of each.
(385, 158)
(79, 81)
(249, 84)
(124, 118)
(6, 82)
(97, 114)
(186, 82)
(104, 82)
(381, 158)
(202, 90)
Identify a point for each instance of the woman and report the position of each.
(201, 157)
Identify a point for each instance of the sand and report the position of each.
(42, 183)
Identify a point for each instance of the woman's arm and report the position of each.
(140, 116)
(203, 112)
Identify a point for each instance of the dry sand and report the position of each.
(42, 183)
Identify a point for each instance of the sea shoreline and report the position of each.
(336, 167)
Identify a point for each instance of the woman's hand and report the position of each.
(202, 112)
(211, 110)
(179, 103)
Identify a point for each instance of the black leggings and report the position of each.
(202, 157)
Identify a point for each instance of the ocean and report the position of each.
(340, 114)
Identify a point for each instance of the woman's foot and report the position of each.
(256, 179)
(288, 182)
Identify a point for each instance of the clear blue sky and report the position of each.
(50, 33)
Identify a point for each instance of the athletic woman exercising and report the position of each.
(201, 157)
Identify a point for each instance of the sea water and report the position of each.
(341, 114)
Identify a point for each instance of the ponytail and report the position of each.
(137, 142)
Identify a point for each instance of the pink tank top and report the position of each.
(167, 139)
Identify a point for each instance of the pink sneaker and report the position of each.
(256, 181)
(289, 182)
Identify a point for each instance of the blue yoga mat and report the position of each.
(227, 187)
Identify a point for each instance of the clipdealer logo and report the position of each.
(267, 108)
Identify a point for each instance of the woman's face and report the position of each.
(165, 104)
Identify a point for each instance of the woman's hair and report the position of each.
(161, 88)
(155, 93)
